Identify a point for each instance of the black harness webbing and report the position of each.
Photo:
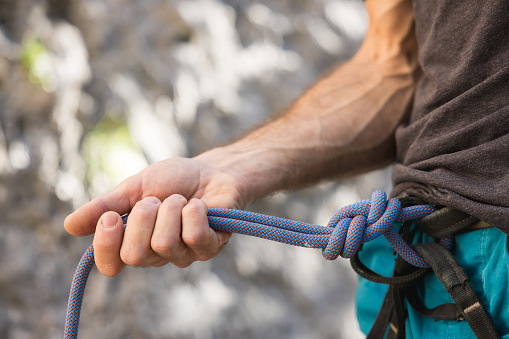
(390, 321)
(444, 222)
(456, 282)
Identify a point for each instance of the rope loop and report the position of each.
(364, 221)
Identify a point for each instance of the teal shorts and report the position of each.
(484, 255)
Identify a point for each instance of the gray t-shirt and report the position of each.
(454, 151)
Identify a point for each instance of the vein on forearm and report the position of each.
(315, 140)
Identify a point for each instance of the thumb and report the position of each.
(121, 199)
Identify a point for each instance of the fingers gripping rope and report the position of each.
(350, 227)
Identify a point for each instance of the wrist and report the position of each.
(252, 170)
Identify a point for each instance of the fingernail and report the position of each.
(151, 200)
(178, 197)
(109, 220)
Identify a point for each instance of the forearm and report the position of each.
(347, 131)
(344, 125)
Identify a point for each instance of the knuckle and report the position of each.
(160, 263)
(209, 253)
(193, 208)
(171, 251)
(194, 239)
(202, 246)
(205, 256)
(183, 264)
(133, 258)
(163, 248)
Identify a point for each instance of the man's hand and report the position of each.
(168, 222)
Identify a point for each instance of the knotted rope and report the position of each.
(350, 227)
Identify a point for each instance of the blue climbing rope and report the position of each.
(348, 229)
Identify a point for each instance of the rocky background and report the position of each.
(91, 91)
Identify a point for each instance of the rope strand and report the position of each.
(348, 229)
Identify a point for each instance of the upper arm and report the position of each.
(390, 38)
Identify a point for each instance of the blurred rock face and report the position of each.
(92, 91)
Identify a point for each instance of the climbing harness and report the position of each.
(390, 321)
(345, 233)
